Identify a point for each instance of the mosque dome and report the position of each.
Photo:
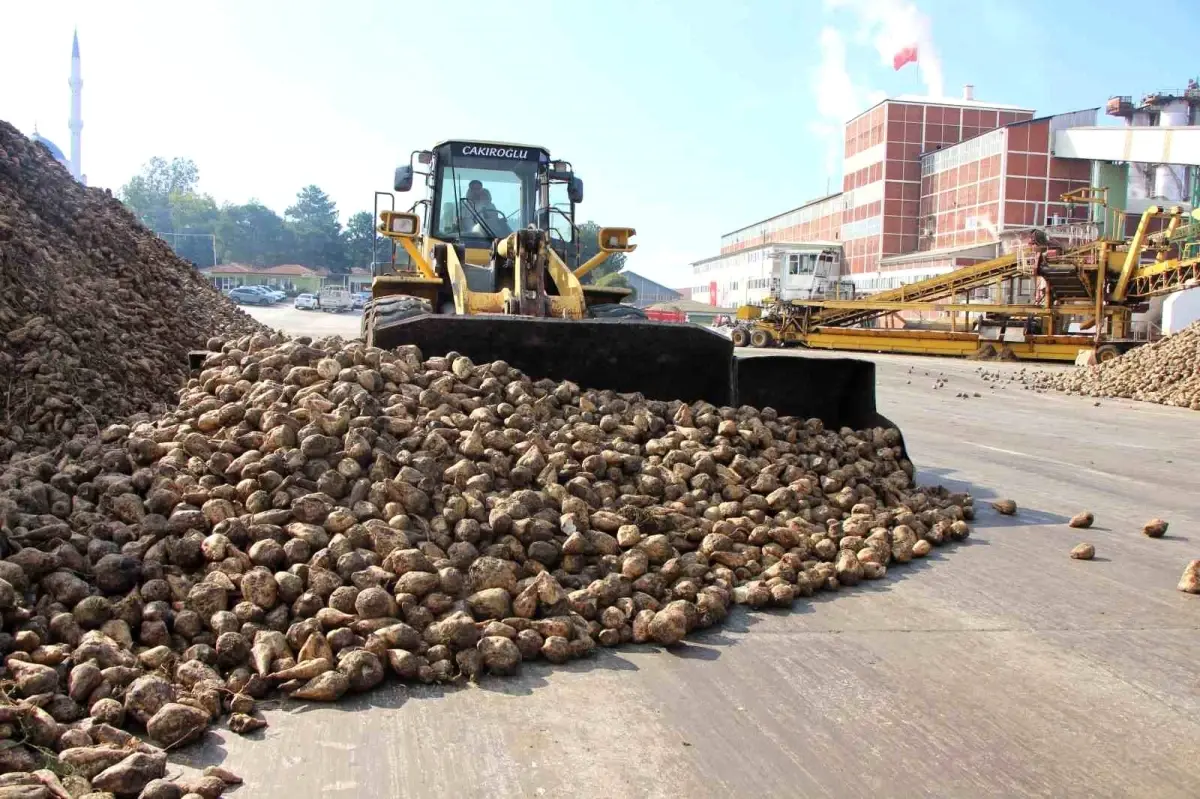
(54, 149)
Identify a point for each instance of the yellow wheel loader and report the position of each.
(487, 265)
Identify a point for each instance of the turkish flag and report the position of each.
(904, 56)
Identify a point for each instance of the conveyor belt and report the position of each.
(939, 287)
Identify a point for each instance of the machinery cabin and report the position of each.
(486, 202)
(809, 274)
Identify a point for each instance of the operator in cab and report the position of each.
(480, 215)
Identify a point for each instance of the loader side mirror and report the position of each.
(575, 190)
(404, 178)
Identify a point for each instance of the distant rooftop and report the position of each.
(690, 306)
(958, 101)
(954, 102)
(800, 207)
(791, 246)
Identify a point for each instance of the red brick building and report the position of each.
(1002, 179)
(882, 183)
(816, 220)
(928, 187)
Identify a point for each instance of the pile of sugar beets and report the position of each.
(97, 313)
(1166, 371)
(315, 515)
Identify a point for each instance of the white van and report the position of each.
(335, 300)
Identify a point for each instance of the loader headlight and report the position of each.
(399, 224)
(617, 239)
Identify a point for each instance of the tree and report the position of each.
(617, 280)
(253, 234)
(360, 238)
(587, 236)
(313, 220)
(193, 221)
(165, 198)
(149, 194)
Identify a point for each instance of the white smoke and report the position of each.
(889, 26)
(892, 25)
(838, 97)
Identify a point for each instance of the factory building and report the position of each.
(881, 189)
(750, 274)
(1150, 183)
(817, 220)
(930, 185)
(1004, 178)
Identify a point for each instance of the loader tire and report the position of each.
(387, 311)
(613, 310)
(761, 338)
(740, 337)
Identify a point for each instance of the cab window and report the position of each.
(484, 198)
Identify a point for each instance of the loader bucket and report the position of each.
(838, 391)
(662, 360)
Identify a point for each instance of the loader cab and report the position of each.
(483, 191)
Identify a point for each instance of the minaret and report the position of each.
(76, 121)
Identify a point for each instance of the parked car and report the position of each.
(334, 300)
(306, 302)
(274, 295)
(246, 295)
(360, 299)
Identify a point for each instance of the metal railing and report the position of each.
(1144, 330)
(1072, 235)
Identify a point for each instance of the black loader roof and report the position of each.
(495, 149)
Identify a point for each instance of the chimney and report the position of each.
(969, 92)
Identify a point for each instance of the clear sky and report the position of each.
(686, 119)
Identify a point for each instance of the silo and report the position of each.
(1170, 182)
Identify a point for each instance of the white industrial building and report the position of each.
(749, 275)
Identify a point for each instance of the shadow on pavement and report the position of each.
(1024, 517)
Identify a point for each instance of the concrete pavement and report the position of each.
(306, 323)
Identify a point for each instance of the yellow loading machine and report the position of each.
(1099, 285)
(488, 265)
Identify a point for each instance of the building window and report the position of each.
(801, 263)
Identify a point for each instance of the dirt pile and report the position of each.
(1166, 371)
(316, 516)
(97, 312)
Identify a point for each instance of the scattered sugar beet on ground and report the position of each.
(316, 516)
(1166, 371)
(97, 314)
